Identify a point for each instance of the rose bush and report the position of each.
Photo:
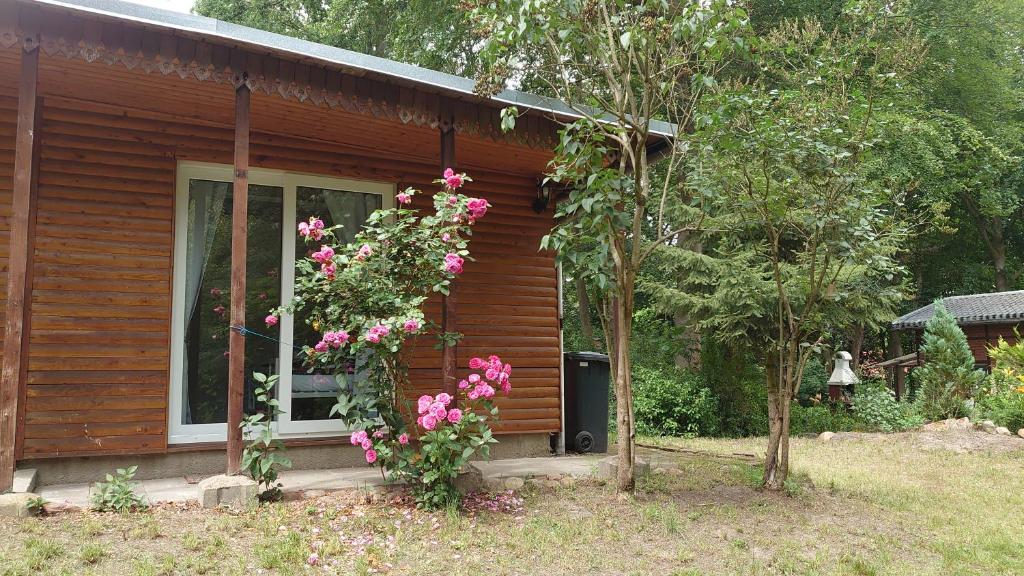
(453, 430)
(364, 299)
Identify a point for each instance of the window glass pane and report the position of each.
(314, 393)
(208, 295)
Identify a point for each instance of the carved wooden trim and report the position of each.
(165, 53)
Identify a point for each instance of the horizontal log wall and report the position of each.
(981, 337)
(101, 304)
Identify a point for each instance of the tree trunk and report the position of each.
(621, 325)
(583, 307)
(856, 344)
(776, 463)
(998, 251)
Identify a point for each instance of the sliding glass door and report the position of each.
(202, 280)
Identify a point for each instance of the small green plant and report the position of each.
(264, 455)
(117, 494)
(875, 405)
(37, 505)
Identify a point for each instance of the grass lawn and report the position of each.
(903, 504)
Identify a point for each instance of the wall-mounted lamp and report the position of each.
(543, 198)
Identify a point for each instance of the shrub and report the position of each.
(738, 382)
(1002, 398)
(454, 429)
(673, 403)
(365, 299)
(117, 494)
(820, 418)
(814, 383)
(264, 456)
(948, 377)
(875, 405)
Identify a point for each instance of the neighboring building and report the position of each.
(124, 131)
(984, 318)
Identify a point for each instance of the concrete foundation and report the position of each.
(204, 463)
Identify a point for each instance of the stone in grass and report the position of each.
(470, 479)
(826, 436)
(223, 490)
(987, 426)
(1003, 431)
(948, 424)
(16, 505)
(1020, 432)
(608, 468)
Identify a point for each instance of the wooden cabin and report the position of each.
(125, 134)
(984, 318)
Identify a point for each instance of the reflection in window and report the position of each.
(208, 298)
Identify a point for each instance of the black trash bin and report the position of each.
(586, 402)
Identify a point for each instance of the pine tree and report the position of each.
(948, 377)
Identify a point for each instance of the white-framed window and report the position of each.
(201, 294)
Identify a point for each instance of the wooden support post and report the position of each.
(239, 236)
(18, 261)
(449, 303)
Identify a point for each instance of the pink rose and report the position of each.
(453, 263)
(444, 398)
(491, 374)
(321, 346)
(303, 229)
(453, 200)
(477, 363)
(474, 378)
(215, 292)
(477, 207)
(483, 390)
(429, 422)
(358, 437)
(219, 310)
(316, 233)
(454, 415)
(372, 337)
(324, 254)
(411, 326)
(463, 384)
(403, 198)
(474, 393)
(403, 438)
(371, 456)
(366, 444)
(506, 387)
(446, 237)
(329, 269)
(423, 404)
(437, 411)
(452, 179)
(378, 434)
(271, 320)
(364, 252)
